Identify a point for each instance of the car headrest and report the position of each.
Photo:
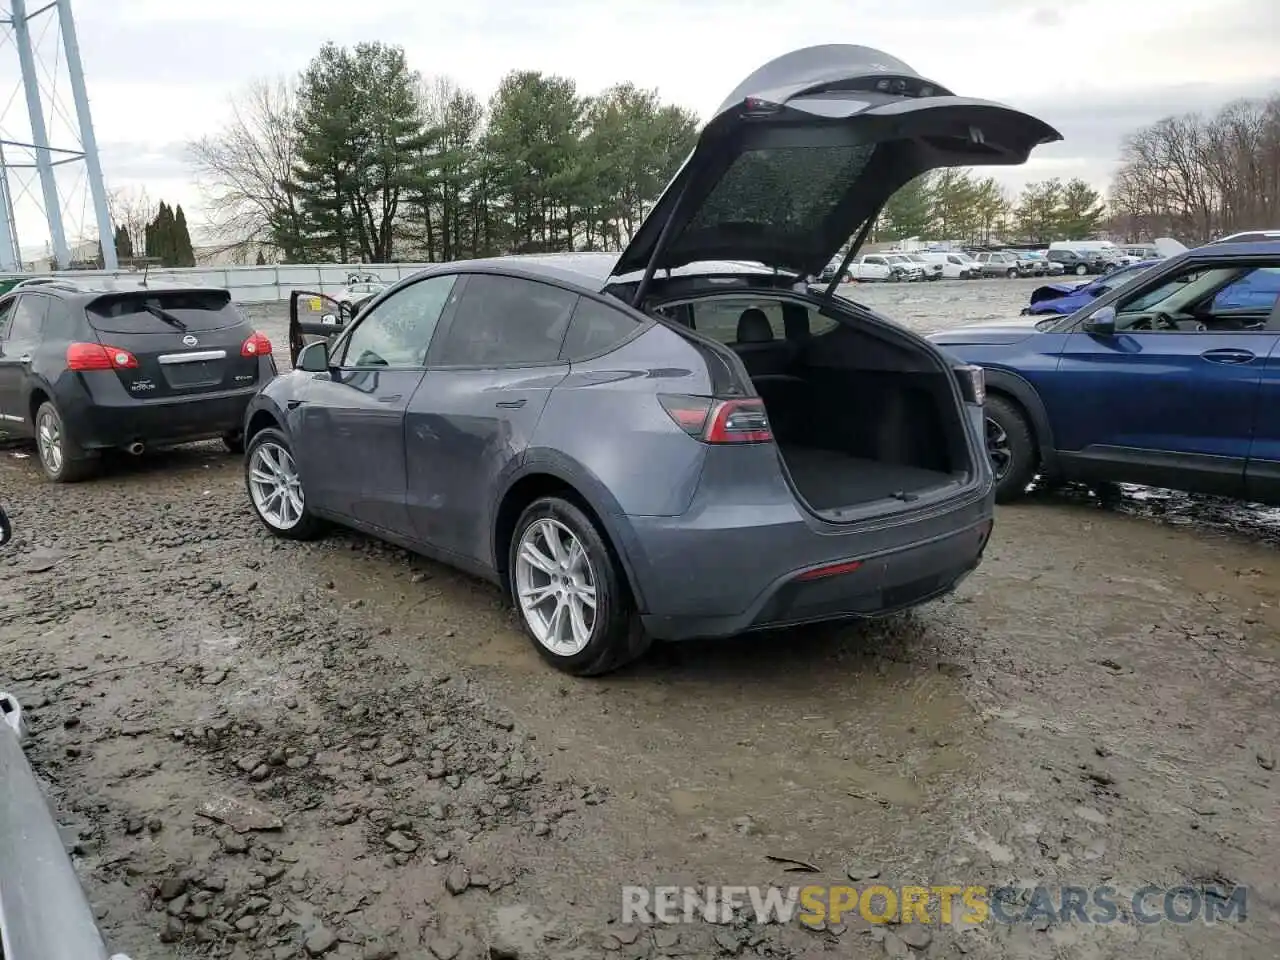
(754, 327)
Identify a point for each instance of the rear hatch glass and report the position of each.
(163, 311)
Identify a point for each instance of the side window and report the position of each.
(6, 314)
(27, 319)
(1255, 292)
(507, 321)
(734, 321)
(58, 324)
(1216, 299)
(879, 261)
(596, 328)
(398, 331)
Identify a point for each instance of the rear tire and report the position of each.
(1012, 448)
(1011, 273)
(570, 593)
(275, 488)
(60, 458)
(1081, 270)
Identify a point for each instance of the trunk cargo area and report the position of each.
(858, 419)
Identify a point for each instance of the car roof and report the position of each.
(89, 288)
(590, 271)
(1226, 248)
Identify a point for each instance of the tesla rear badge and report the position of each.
(189, 340)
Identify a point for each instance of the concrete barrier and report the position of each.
(260, 284)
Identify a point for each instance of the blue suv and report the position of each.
(1170, 380)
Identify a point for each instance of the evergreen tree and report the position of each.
(262, 259)
(184, 252)
(124, 244)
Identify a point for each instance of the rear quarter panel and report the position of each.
(604, 420)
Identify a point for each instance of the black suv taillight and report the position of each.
(719, 421)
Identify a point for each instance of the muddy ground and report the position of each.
(272, 750)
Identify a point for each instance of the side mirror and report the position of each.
(6, 529)
(314, 357)
(1102, 323)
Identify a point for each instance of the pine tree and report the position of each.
(184, 252)
(124, 244)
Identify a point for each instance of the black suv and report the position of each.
(1081, 262)
(90, 368)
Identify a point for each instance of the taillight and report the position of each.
(99, 356)
(973, 384)
(719, 421)
(256, 346)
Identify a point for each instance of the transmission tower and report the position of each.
(74, 150)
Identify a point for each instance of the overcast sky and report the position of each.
(161, 72)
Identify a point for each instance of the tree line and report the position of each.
(956, 204)
(1198, 178)
(360, 158)
(147, 231)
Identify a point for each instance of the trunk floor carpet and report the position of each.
(827, 479)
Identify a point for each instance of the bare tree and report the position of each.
(1199, 178)
(245, 169)
(132, 208)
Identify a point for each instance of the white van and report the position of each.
(955, 266)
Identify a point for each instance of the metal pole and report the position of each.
(10, 255)
(39, 133)
(88, 142)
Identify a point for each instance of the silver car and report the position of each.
(691, 439)
(44, 913)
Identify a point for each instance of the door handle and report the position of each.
(394, 398)
(25, 358)
(512, 404)
(1228, 355)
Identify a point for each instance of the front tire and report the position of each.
(1011, 273)
(60, 458)
(1081, 270)
(569, 592)
(1011, 447)
(275, 488)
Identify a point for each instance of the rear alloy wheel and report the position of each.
(275, 488)
(60, 458)
(1010, 447)
(571, 597)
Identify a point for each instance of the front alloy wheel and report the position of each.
(275, 487)
(998, 449)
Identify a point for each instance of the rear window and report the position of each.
(163, 312)
(789, 189)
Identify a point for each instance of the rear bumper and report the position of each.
(105, 418)
(728, 582)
